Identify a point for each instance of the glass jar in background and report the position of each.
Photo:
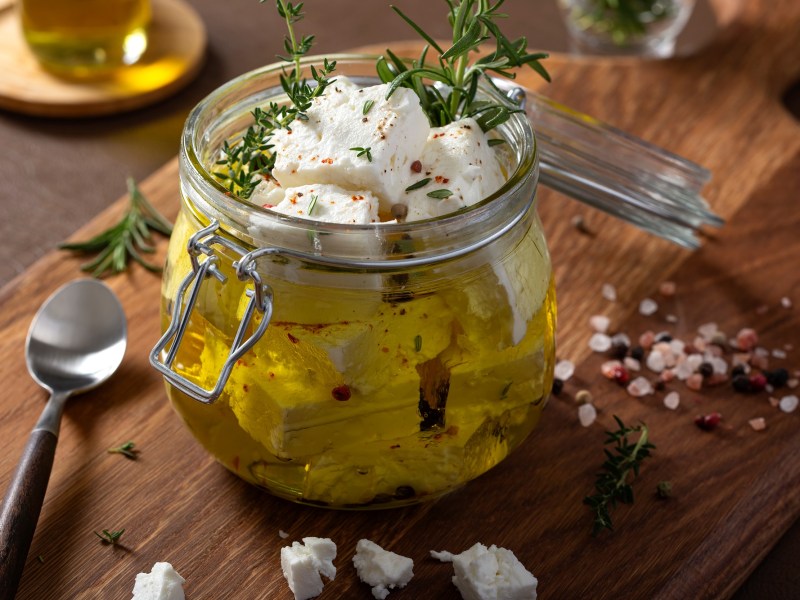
(393, 362)
(81, 38)
(646, 28)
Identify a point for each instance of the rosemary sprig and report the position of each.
(621, 19)
(128, 450)
(126, 240)
(473, 22)
(612, 485)
(110, 537)
(242, 164)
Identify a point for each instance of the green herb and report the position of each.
(127, 450)
(664, 490)
(417, 343)
(439, 194)
(126, 240)
(243, 164)
(367, 106)
(473, 22)
(612, 485)
(312, 204)
(110, 537)
(496, 141)
(363, 152)
(419, 184)
(40, 558)
(621, 20)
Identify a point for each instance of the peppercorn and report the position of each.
(777, 378)
(618, 350)
(738, 370)
(621, 375)
(558, 385)
(706, 369)
(741, 383)
(663, 337)
(637, 352)
(708, 422)
(583, 397)
(757, 382)
(660, 385)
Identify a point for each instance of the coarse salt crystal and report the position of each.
(283, 534)
(762, 310)
(677, 346)
(786, 302)
(774, 402)
(793, 383)
(778, 353)
(632, 364)
(587, 414)
(599, 323)
(788, 403)
(600, 342)
(758, 424)
(759, 362)
(707, 330)
(667, 288)
(655, 361)
(609, 292)
(672, 400)
(700, 343)
(667, 375)
(761, 351)
(684, 370)
(719, 364)
(640, 387)
(564, 369)
(694, 361)
(620, 339)
(648, 307)
(695, 382)
(646, 339)
(746, 339)
(671, 319)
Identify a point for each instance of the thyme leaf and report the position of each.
(312, 204)
(367, 107)
(421, 183)
(611, 484)
(110, 537)
(367, 152)
(127, 450)
(439, 194)
(125, 241)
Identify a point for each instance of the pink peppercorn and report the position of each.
(758, 382)
(621, 375)
(708, 422)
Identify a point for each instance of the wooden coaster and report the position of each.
(176, 47)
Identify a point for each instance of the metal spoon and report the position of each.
(75, 342)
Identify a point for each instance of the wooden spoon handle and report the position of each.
(21, 507)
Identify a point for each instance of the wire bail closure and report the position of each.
(164, 353)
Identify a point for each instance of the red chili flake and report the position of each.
(416, 166)
(708, 422)
(341, 393)
(292, 339)
(440, 179)
(271, 375)
(621, 375)
(758, 382)
(394, 446)
(327, 161)
(268, 205)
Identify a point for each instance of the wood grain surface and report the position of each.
(736, 490)
(176, 48)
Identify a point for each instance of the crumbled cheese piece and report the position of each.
(161, 583)
(381, 569)
(329, 203)
(303, 564)
(442, 556)
(458, 158)
(492, 573)
(318, 150)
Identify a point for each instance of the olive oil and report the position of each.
(81, 38)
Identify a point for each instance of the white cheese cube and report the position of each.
(381, 569)
(318, 150)
(492, 573)
(161, 583)
(328, 203)
(458, 158)
(302, 565)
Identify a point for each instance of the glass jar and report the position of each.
(354, 366)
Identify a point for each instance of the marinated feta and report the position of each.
(161, 583)
(303, 564)
(492, 573)
(381, 569)
(326, 202)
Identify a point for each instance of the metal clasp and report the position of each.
(163, 355)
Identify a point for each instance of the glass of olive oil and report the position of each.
(80, 38)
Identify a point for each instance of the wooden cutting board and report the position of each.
(735, 490)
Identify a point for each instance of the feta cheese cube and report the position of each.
(381, 569)
(302, 565)
(458, 158)
(161, 583)
(318, 150)
(329, 203)
(492, 573)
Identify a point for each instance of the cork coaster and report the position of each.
(176, 47)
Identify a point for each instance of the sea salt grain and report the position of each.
(777, 353)
(655, 361)
(609, 292)
(695, 382)
(707, 330)
(600, 342)
(632, 364)
(671, 319)
(564, 369)
(788, 403)
(758, 424)
(648, 307)
(667, 288)
(746, 339)
(640, 387)
(587, 414)
(672, 400)
(599, 323)
(786, 302)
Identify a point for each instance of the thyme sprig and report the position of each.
(243, 164)
(110, 537)
(473, 22)
(128, 450)
(611, 484)
(125, 241)
(621, 19)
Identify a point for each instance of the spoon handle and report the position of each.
(21, 507)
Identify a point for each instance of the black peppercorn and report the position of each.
(558, 385)
(777, 378)
(706, 369)
(738, 370)
(637, 352)
(741, 383)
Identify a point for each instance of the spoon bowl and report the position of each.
(75, 342)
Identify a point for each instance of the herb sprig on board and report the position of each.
(473, 22)
(624, 459)
(621, 19)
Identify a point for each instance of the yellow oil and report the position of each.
(81, 38)
(284, 423)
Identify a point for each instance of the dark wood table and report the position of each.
(59, 174)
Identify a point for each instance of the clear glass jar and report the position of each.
(399, 360)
